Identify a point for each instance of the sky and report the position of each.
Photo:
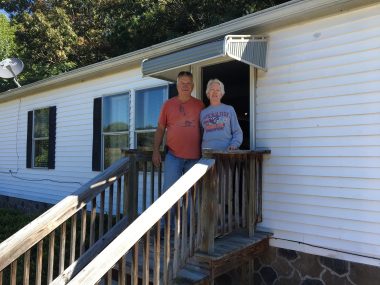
(3, 12)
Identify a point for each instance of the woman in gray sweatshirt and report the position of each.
(221, 129)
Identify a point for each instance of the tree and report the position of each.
(7, 38)
(7, 47)
(55, 36)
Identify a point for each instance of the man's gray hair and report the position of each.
(184, 73)
(212, 81)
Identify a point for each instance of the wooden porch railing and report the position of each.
(233, 201)
(222, 196)
(37, 250)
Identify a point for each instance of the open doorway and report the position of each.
(235, 77)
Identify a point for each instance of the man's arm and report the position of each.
(158, 136)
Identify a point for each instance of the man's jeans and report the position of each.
(175, 167)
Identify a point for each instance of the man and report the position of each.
(179, 117)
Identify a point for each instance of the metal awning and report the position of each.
(245, 48)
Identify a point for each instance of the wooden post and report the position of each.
(209, 206)
(157, 255)
(110, 208)
(39, 262)
(83, 231)
(259, 212)
(26, 268)
(92, 221)
(132, 201)
(118, 199)
(62, 247)
(135, 265)
(13, 272)
(51, 257)
(122, 270)
(252, 196)
(73, 238)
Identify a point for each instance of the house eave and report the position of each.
(289, 13)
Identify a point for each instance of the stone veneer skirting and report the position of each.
(279, 266)
(286, 267)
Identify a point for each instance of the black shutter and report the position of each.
(173, 90)
(52, 131)
(97, 135)
(29, 140)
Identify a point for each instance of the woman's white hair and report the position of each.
(212, 81)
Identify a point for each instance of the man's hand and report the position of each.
(156, 158)
(158, 136)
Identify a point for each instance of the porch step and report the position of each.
(191, 275)
(231, 251)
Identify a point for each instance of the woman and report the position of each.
(221, 129)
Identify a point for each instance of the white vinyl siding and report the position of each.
(318, 111)
(73, 158)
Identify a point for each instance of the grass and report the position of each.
(12, 220)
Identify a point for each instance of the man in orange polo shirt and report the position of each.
(179, 117)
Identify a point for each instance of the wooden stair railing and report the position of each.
(35, 246)
(224, 200)
(235, 195)
(178, 197)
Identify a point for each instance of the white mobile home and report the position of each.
(305, 85)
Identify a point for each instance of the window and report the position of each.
(41, 138)
(115, 127)
(148, 103)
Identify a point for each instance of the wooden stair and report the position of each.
(231, 251)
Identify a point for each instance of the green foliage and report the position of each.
(55, 36)
(7, 47)
(7, 38)
(11, 221)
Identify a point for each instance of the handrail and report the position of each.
(20, 242)
(130, 236)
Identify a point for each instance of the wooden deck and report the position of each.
(217, 204)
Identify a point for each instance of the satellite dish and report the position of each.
(10, 68)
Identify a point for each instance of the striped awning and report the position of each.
(245, 48)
